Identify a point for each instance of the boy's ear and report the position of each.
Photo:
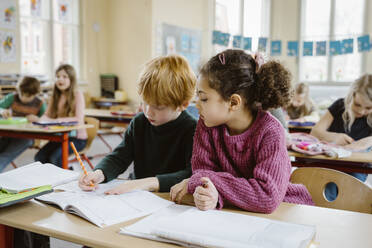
(184, 105)
(235, 102)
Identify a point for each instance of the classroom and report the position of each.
(155, 121)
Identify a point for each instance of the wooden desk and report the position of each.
(101, 102)
(334, 228)
(357, 162)
(300, 129)
(30, 131)
(106, 115)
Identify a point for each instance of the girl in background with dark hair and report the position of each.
(66, 104)
(239, 151)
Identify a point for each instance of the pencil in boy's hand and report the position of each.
(81, 162)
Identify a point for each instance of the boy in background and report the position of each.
(23, 103)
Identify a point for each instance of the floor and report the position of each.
(98, 145)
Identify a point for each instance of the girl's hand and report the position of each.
(6, 113)
(32, 118)
(178, 191)
(206, 196)
(148, 184)
(94, 177)
(343, 139)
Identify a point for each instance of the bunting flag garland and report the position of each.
(292, 48)
(262, 44)
(276, 48)
(321, 48)
(309, 48)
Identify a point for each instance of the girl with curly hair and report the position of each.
(239, 151)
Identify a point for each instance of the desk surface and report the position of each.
(106, 113)
(360, 157)
(334, 228)
(28, 127)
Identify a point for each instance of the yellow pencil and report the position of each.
(81, 162)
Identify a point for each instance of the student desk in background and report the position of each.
(106, 115)
(334, 228)
(357, 162)
(30, 131)
(299, 129)
(120, 121)
(101, 102)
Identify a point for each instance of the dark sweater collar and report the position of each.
(171, 124)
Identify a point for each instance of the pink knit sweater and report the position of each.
(250, 170)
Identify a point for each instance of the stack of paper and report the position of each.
(189, 226)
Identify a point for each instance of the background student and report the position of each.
(301, 107)
(239, 153)
(158, 140)
(66, 104)
(25, 103)
(348, 122)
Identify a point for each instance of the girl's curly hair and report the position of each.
(268, 86)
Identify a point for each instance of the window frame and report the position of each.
(329, 81)
(50, 22)
(264, 26)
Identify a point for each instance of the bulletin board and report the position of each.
(179, 40)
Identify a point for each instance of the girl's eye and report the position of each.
(204, 99)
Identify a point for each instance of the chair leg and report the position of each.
(105, 142)
(88, 161)
(13, 164)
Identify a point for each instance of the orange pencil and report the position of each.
(81, 162)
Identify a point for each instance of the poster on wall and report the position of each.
(178, 40)
(8, 18)
(64, 11)
(35, 8)
(8, 47)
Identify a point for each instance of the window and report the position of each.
(327, 20)
(49, 35)
(250, 18)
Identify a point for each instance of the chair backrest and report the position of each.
(92, 132)
(353, 194)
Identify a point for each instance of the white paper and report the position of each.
(104, 210)
(35, 175)
(215, 228)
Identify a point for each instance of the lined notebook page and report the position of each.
(104, 210)
(35, 175)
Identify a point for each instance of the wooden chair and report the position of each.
(92, 132)
(353, 194)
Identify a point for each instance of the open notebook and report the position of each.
(34, 175)
(191, 227)
(104, 210)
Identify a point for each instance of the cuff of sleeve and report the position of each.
(106, 180)
(163, 183)
(219, 202)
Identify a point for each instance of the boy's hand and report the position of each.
(148, 184)
(178, 191)
(32, 118)
(343, 139)
(94, 177)
(206, 196)
(6, 113)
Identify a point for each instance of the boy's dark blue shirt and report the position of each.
(162, 151)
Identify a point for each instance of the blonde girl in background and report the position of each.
(66, 104)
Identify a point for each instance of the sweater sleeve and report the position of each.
(119, 160)
(7, 101)
(261, 193)
(42, 109)
(166, 181)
